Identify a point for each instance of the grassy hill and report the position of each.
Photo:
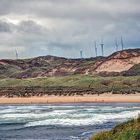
(126, 131)
(46, 66)
(119, 63)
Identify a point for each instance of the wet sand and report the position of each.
(71, 99)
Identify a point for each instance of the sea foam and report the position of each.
(66, 115)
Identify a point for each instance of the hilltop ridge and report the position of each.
(124, 62)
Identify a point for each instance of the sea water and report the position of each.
(62, 121)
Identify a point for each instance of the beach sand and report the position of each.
(72, 99)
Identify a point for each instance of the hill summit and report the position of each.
(126, 62)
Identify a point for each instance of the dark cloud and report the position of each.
(5, 27)
(30, 27)
(63, 27)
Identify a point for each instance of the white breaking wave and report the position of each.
(95, 119)
(66, 115)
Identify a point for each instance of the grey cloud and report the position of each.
(70, 8)
(5, 27)
(63, 27)
(30, 26)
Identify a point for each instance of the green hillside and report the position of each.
(126, 131)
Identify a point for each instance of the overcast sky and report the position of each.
(64, 27)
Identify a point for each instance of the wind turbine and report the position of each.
(16, 53)
(116, 44)
(95, 49)
(102, 47)
(122, 44)
(81, 54)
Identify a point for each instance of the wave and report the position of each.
(92, 120)
(71, 115)
(11, 123)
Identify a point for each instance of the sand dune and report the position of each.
(118, 64)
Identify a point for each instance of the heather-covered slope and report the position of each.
(46, 66)
(120, 63)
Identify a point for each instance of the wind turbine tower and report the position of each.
(122, 43)
(116, 44)
(95, 49)
(16, 54)
(81, 54)
(102, 48)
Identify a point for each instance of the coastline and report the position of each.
(107, 97)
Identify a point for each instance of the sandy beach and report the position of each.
(71, 99)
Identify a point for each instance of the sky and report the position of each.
(65, 27)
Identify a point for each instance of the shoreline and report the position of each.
(132, 98)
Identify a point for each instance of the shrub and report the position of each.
(127, 83)
(138, 79)
(106, 82)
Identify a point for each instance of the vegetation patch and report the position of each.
(87, 83)
(127, 131)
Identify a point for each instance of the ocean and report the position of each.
(62, 121)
